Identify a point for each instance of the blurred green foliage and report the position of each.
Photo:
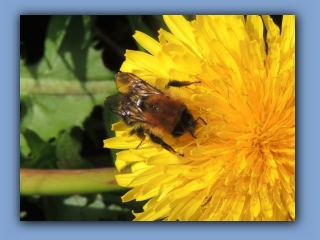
(62, 119)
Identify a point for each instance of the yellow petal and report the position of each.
(117, 143)
(182, 29)
(146, 61)
(148, 43)
(255, 205)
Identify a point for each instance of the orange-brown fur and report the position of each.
(164, 112)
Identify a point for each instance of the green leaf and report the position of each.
(68, 54)
(52, 114)
(26, 111)
(55, 36)
(87, 35)
(24, 149)
(75, 200)
(97, 202)
(68, 153)
(42, 153)
(60, 91)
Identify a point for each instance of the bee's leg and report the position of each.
(201, 120)
(191, 133)
(139, 131)
(140, 143)
(175, 83)
(159, 140)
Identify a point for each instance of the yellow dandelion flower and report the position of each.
(241, 166)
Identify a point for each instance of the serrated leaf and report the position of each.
(61, 90)
(51, 114)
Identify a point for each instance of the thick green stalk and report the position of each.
(58, 182)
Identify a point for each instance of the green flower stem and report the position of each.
(59, 182)
(29, 86)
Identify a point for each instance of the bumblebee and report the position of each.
(150, 111)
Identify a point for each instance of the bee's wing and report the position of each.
(144, 89)
(113, 103)
(130, 84)
(122, 106)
